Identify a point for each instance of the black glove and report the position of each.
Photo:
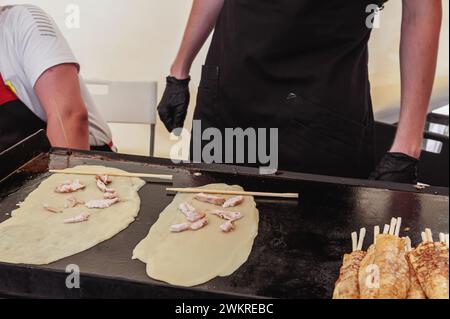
(174, 104)
(397, 167)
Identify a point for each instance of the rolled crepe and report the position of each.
(384, 271)
(430, 263)
(415, 290)
(347, 286)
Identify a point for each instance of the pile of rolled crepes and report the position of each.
(392, 269)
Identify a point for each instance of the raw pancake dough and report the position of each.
(192, 258)
(35, 236)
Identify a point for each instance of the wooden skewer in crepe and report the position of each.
(442, 237)
(408, 244)
(392, 229)
(376, 232)
(398, 227)
(424, 237)
(362, 236)
(392, 226)
(234, 193)
(357, 244)
(124, 174)
(354, 241)
(429, 235)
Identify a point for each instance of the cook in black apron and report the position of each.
(17, 122)
(297, 65)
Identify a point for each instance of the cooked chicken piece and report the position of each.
(102, 203)
(233, 202)
(384, 271)
(70, 187)
(199, 224)
(347, 286)
(104, 178)
(110, 195)
(210, 199)
(191, 213)
(186, 208)
(231, 216)
(102, 186)
(430, 263)
(227, 227)
(179, 228)
(72, 201)
(52, 209)
(77, 219)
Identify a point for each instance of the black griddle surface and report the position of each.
(297, 253)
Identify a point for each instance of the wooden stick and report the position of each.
(447, 241)
(398, 227)
(224, 192)
(376, 232)
(75, 172)
(408, 244)
(429, 235)
(424, 237)
(362, 235)
(392, 226)
(355, 241)
(386, 230)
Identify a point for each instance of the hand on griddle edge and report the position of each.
(398, 168)
(174, 104)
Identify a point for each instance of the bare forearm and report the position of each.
(71, 126)
(58, 90)
(201, 22)
(419, 47)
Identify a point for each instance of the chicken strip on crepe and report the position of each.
(347, 286)
(210, 199)
(430, 263)
(70, 187)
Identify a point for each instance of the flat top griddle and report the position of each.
(297, 253)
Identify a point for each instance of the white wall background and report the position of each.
(136, 40)
(384, 62)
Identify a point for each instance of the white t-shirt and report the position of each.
(30, 44)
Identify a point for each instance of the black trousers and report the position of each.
(17, 122)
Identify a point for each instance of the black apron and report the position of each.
(17, 122)
(300, 66)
